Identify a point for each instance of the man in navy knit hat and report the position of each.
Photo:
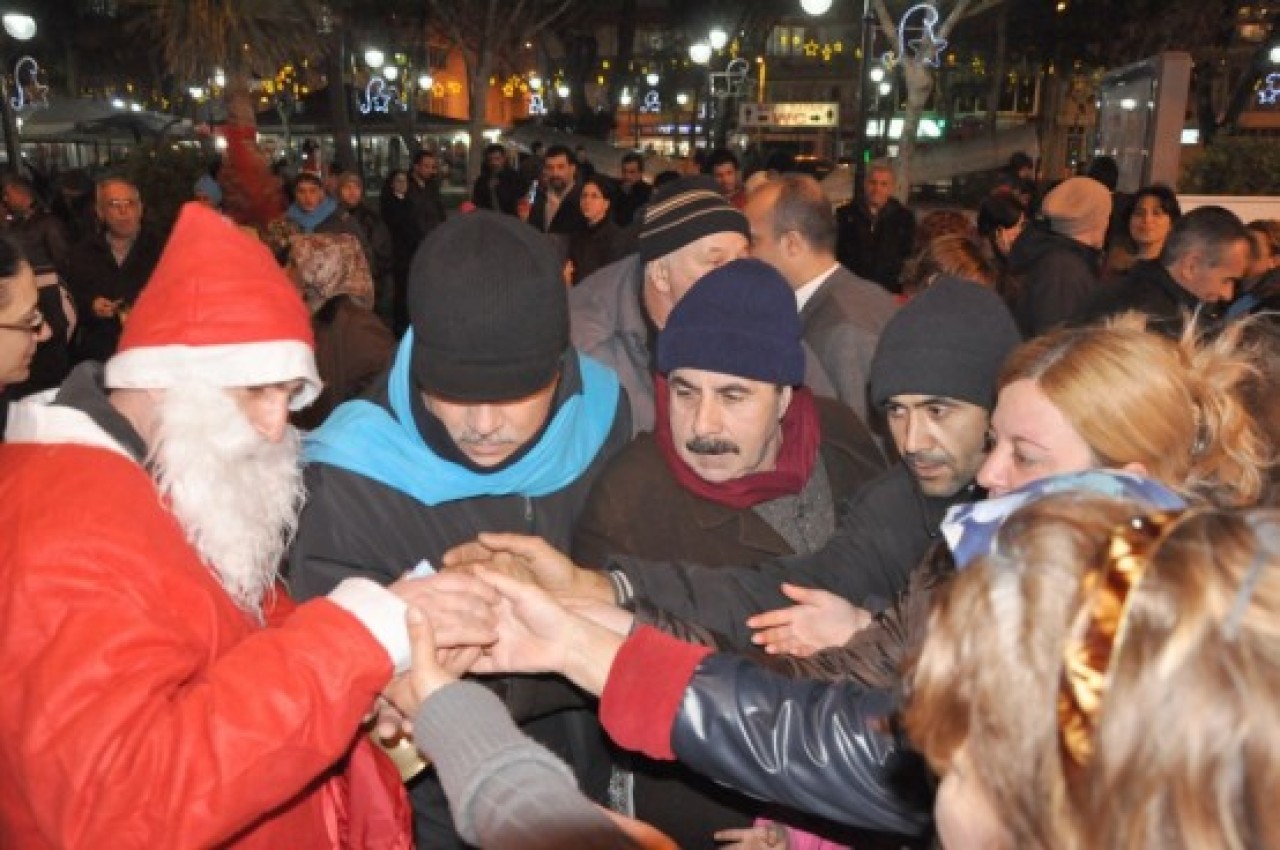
(488, 420)
(743, 462)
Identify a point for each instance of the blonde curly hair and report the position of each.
(1187, 741)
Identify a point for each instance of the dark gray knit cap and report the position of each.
(949, 341)
(684, 211)
(489, 310)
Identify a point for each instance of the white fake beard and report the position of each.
(236, 494)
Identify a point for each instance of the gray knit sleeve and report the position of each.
(504, 789)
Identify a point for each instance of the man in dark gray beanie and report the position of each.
(488, 421)
(686, 230)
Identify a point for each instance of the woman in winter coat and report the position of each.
(601, 242)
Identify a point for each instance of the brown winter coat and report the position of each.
(353, 347)
(638, 508)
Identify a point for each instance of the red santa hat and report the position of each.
(218, 309)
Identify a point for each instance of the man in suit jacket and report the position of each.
(555, 207)
(794, 230)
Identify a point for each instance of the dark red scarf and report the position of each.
(801, 437)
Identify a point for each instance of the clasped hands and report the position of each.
(508, 603)
(489, 611)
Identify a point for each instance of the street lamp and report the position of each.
(700, 52)
(718, 38)
(821, 7)
(815, 7)
(21, 28)
(391, 72)
(425, 82)
(374, 58)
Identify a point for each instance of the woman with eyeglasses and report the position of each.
(1105, 676)
(22, 327)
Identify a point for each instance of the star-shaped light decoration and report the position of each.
(928, 48)
(1270, 96)
(811, 48)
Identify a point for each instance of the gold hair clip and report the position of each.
(1091, 648)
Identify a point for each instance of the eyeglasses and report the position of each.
(1098, 638)
(120, 203)
(33, 324)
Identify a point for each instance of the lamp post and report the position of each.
(821, 7)
(700, 54)
(20, 27)
(632, 100)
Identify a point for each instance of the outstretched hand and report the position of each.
(762, 836)
(536, 634)
(460, 607)
(529, 559)
(817, 621)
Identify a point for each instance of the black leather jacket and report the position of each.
(825, 748)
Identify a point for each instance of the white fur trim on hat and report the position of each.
(250, 364)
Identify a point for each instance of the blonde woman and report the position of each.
(1122, 397)
(1114, 396)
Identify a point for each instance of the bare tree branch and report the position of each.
(957, 13)
(887, 24)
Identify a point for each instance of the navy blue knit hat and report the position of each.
(741, 320)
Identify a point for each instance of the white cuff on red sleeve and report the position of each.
(381, 612)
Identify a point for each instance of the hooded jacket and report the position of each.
(1150, 289)
(1058, 277)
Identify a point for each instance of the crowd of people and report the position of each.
(687, 513)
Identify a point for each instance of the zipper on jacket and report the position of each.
(528, 514)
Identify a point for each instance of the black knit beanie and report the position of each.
(949, 341)
(684, 211)
(489, 309)
(740, 320)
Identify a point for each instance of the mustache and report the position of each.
(478, 440)
(927, 458)
(708, 446)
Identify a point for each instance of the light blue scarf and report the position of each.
(309, 221)
(366, 439)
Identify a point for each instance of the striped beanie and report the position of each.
(684, 211)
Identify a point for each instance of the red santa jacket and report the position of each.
(139, 707)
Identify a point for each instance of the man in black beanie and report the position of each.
(489, 420)
(688, 229)
(934, 374)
